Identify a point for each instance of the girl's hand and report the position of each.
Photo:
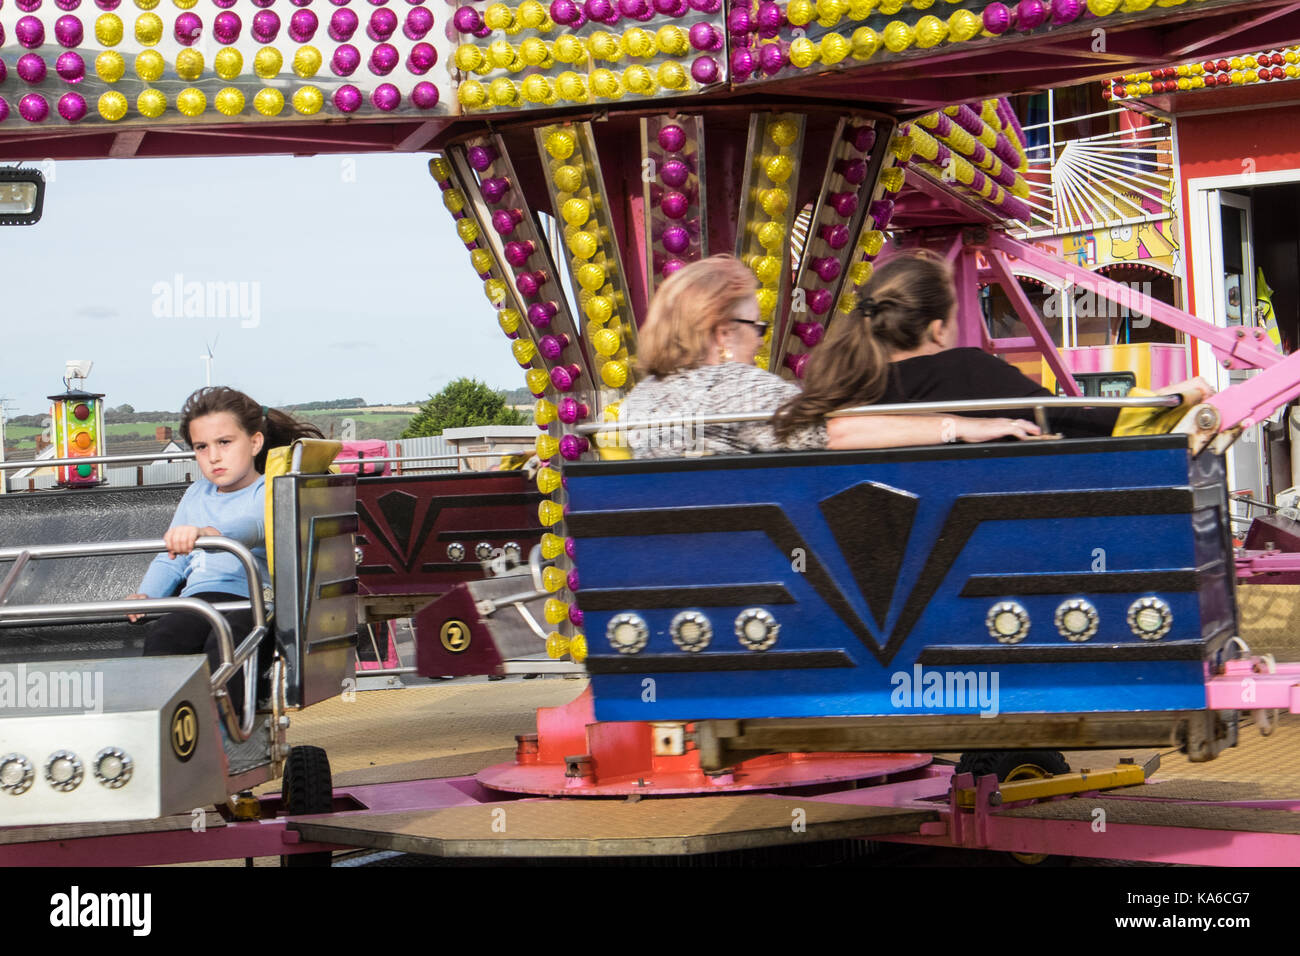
(180, 539)
(1193, 391)
(988, 429)
(136, 597)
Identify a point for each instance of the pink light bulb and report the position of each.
(570, 410)
(572, 448)
(827, 269)
(854, 171)
(564, 377)
(541, 313)
(551, 346)
(345, 60)
(810, 333)
(302, 26)
(419, 21)
(343, 23)
(674, 173)
(480, 157)
(383, 22)
(796, 363)
(676, 239)
(705, 70)
(226, 27)
(672, 138)
(517, 253)
(844, 204)
(494, 188)
(68, 32)
(820, 300)
(836, 235)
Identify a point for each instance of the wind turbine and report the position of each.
(207, 361)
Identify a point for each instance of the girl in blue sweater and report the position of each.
(230, 434)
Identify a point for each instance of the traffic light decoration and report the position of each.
(78, 433)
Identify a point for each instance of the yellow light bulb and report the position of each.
(578, 648)
(531, 15)
(306, 61)
(267, 62)
(846, 303)
(803, 52)
(800, 12)
(571, 86)
(503, 92)
(547, 447)
(524, 351)
(783, 132)
(893, 179)
(467, 229)
(550, 513)
(569, 49)
(149, 66)
(148, 29)
(552, 578)
(766, 301)
(556, 644)
(568, 179)
(228, 63)
(614, 373)
(872, 241)
(109, 66)
(471, 94)
(606, 342)
(495, 290)
(533, 51)
(591, 277)
(898, 36)
(537, 380)
(543, 414)
(583, 244)
(536, 89)
(834, 48)
(576, 211)
(774, 201)
(468, 57)
(861, 9)
(599, 308)
(639, 80)
(480, 259)
(113, 106)
(930, 32)
(778, 168)
(146, 4)
(189, 64)
(770, 235)
(555, 610)
(639, 43)
(606, 84)
(865, 42)
(1102, 8)
(552, 546)
(498, 16)
(767, 268)
(454, 200)
(672, 75)
(560, 143)
(191, 102)
(672, 40)
(151, 103)
(509, 320)
(108, 29)
(604, 46)
(500, 53)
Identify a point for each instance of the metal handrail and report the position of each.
(189, 456)
(225, 607)
(913, 408)
(146, 546)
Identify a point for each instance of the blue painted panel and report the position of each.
(1073, 536)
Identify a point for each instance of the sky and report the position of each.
(342, 276)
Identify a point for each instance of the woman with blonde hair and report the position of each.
(695, 357)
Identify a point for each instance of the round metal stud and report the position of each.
(456, 551)
(483, 551)
(1008, 622)
(1150, 618)
(691, 631)
(627, 633)
(512, 551)
(113, 767)
(756, 629)
(1076, 620)
(16, 774)
(63, 771)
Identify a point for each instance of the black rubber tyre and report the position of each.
(308, 788)
(1015, 765)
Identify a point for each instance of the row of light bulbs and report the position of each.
(1077, 620)
(64, 771)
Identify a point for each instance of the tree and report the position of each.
(464, 403)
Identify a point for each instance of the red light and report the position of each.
(81, 412)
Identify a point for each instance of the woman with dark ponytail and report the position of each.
(231, 435)
(898, 346)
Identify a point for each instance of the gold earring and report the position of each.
(726, 354)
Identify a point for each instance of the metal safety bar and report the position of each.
(189, 456)
(912, 408)
(146, 546)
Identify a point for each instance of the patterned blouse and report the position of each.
(711, 390)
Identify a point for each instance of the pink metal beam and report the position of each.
(1249, 685)
(1029, 315)
(1244, 351)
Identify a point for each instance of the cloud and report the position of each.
(351, 344)
(98, 312)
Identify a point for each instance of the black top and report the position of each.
(955, 375)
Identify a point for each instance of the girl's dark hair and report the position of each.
(277, 427)
(851, 367)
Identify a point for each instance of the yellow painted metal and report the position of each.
(1012, 791)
